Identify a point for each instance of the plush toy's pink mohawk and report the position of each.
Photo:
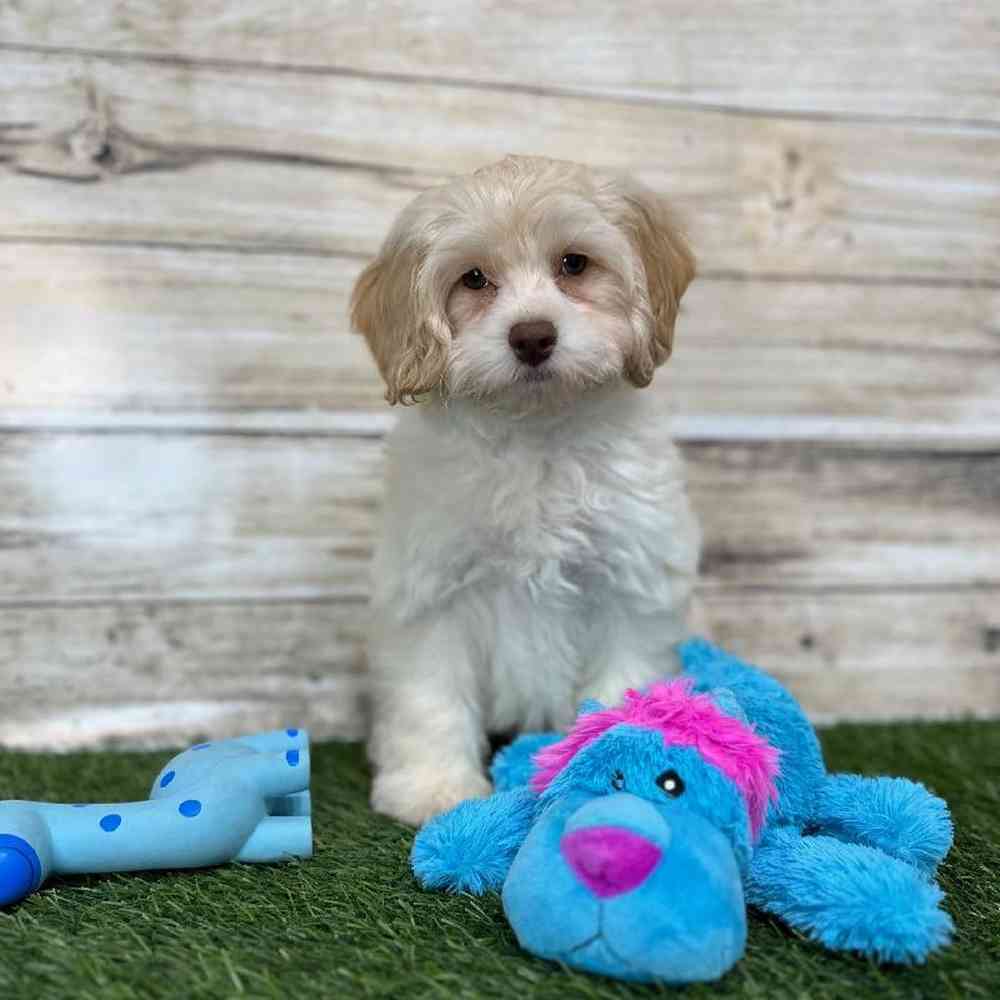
(685, 719)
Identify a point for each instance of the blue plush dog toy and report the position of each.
(631, 845)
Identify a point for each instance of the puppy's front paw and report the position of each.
(414, 795)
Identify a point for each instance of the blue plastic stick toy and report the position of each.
(235, 800)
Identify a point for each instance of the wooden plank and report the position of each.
(887, 435)
(159, 674)
(93, 517)
(139, 515)
(939, 693)
(867, 655)
(907, 58)
(322, 164)
(127, 330)
(141, 329)
(846, 633)
(813, 516)
(166, 673)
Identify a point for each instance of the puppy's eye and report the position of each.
(474, 279)
(671, 783)
(574, 264)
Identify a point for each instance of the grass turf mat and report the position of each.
(352, 923)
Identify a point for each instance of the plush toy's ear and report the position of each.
(589, 706)
(727, 701)
(471, 848)
(513, 765)
(733, 822)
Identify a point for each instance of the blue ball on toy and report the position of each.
(20, 870)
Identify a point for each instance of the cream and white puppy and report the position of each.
(537, 545)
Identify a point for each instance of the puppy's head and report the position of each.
(529, 278)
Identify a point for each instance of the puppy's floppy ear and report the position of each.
(408, 337)
(669, 265)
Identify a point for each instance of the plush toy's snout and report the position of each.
(623, 885)
(613, 844)
(609, 860)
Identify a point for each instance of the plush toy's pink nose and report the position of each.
(609, 860)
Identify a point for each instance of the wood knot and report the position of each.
(93, 149)
(991, 639)
(795, 197)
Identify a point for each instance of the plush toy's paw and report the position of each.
(470, 848)
(415, 795)
(896, 815)
(849, 897)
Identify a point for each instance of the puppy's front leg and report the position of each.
(634, 653)
(427, 741)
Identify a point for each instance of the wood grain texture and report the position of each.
(189, 437)
(96, 517)
(147, 674)
(846, 633)
(138, 515)
(867, 655)
(917, 58)
(161, 673)
(132, 330)
(323, 164)
(814, 516)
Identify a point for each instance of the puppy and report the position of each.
(537, 547)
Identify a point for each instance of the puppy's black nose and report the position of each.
(534, 341)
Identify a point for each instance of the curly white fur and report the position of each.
(538, 547)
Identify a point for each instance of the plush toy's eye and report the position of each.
(618, 781)
(574, 264)
(474, 279)
(672, 783)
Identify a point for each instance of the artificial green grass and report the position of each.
(352, 923)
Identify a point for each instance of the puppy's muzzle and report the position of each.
(533, 341)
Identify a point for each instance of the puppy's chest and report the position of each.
(539, 516)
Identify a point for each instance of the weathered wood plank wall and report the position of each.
(189, 435)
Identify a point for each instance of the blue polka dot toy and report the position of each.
(234, 800)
